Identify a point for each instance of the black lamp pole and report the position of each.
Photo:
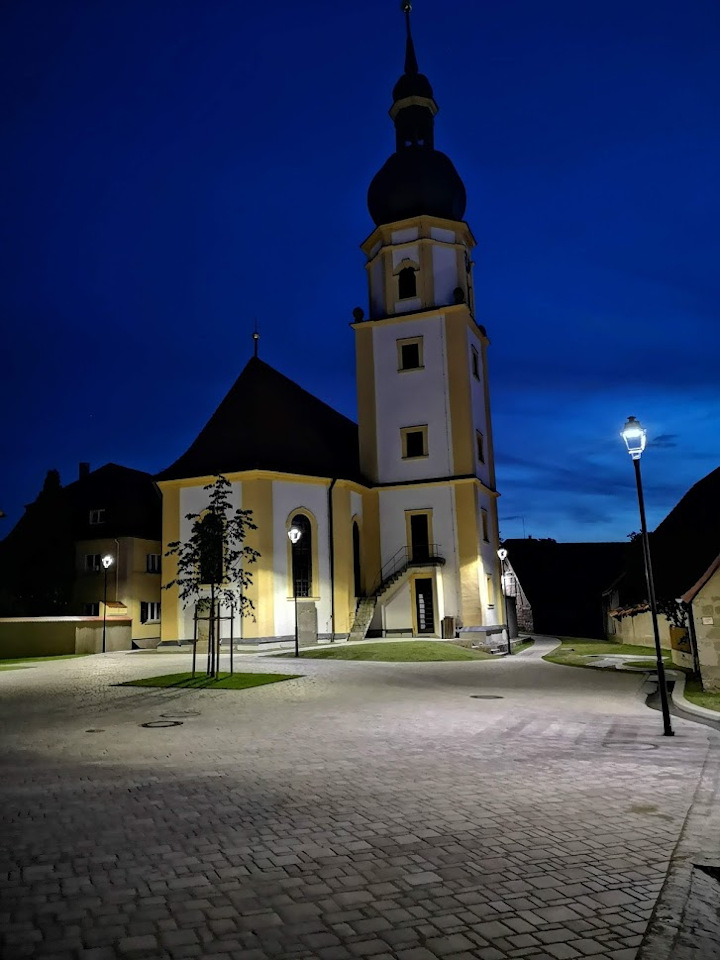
(502, 553)
(104, 606)
(634, 436)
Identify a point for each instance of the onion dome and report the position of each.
(417, 179)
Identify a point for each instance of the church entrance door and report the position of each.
(424, 605)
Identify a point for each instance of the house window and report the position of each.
(475, 363)
(97, 516)
(152, 561)
(92, 562)
(485, 525)
(480, 446)
(91, 609)
(490, 592)
(410, 354)
(407, 283)
(414, 442)
(149, 612)
(301, 553)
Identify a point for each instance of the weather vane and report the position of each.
(256, 337)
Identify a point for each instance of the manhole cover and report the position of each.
(180, 713)
(485, 696)
(155, 724)
(630, 745)
(92, 730)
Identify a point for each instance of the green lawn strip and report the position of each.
(702, 698)
(15, 662)
(404, 651)
(525, 645)
(224, 681)
(575, 652)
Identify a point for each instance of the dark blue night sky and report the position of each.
(173, 170)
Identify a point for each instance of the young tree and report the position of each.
(212, 564)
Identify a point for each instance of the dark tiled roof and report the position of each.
(268, 422)
(682, 547)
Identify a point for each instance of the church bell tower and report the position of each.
(423, 395)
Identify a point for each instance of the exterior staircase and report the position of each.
(363, 617)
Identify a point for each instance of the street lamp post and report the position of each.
(294, 535)
(635, 438)
(502, 554)
(106, 561)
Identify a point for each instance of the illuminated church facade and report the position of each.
(398, 513)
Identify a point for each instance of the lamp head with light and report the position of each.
(294, 534)
(502, 553)
(635, 437)
(106, 561)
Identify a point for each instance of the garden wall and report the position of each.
(57, 636)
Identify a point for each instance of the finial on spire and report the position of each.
(411, 64)
(256, 339)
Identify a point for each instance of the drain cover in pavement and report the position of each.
(180, 713)
(155, 724)
(485, 696)
(92, 730)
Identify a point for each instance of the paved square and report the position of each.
(364, 810)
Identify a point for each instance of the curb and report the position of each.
(678, 698)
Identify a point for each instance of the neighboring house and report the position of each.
(52, 560)
(685, 552)
(563, 583)
(398, 514)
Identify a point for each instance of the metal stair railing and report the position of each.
(427, 555)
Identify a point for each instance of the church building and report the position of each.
(397, 515)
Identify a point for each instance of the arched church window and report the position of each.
(407, 283)
(302, 557)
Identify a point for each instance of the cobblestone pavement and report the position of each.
(363, 810)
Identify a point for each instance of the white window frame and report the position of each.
(92, 563)
(153, 562)
(152, 611)
(97, 516)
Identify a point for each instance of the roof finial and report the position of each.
(411, 64)
(256, 339)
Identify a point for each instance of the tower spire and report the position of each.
(411, 64)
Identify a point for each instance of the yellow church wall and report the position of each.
(169, 621)
(366, 400)
(459, 392)
(467, 521)
(344, 593)
(257, 496)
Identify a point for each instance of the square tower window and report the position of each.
(475, 363)
(410, 353)
(97, 516)
(414, 442)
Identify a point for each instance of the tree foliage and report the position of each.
(212, 564)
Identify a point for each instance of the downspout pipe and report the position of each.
(331, 536)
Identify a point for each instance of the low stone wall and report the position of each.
(58, 636)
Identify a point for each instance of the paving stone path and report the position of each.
(363, 810)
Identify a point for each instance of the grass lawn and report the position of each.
(17, 663)
(695, 694)
(575, 651)
(398, 651)
(523, 646)
(224, 681)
